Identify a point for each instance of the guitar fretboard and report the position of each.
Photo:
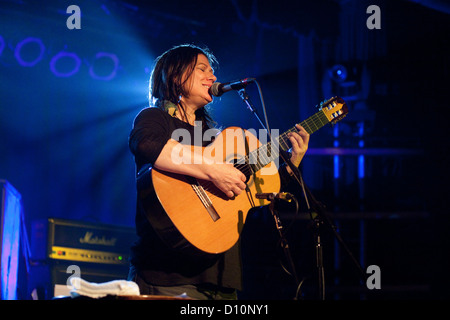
(268, 152)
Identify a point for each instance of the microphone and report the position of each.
(217, 89)
(274, 195)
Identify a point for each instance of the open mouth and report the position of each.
(209, 88)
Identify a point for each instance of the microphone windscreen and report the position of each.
(215, 89)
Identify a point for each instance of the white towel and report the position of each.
(98, 290)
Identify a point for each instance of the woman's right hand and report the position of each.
(227, 178)
(190, 162)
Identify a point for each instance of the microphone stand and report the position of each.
(284, 243)
(321, 216)
(243, 94)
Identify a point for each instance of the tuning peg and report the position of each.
(320, 105)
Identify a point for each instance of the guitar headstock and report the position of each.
(334, 109)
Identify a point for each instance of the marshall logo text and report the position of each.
(103, 241)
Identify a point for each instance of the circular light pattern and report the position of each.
(62, 55)
(103, 68)
(113, 72)
(21, 44)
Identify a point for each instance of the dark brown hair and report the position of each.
(166, 81)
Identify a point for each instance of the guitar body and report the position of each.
(197, 216)
(195, 223)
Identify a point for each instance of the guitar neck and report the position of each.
(311, 125)
(266, 153)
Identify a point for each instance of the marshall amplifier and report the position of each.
(88, 242)
(99, 251)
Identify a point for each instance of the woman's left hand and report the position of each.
(299, 142)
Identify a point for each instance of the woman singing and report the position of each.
(179, 94)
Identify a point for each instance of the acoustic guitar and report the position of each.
(199, 216)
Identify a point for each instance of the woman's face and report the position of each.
(199, 82)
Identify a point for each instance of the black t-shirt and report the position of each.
(156, 261)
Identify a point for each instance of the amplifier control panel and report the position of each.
(92, 256)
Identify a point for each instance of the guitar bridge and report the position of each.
(206, 201)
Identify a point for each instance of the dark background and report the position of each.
(64, 123)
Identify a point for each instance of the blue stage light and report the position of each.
(2, 45)
(11, 213)
(65, 55)
(17, 52)
(338, 73)
(93, 69)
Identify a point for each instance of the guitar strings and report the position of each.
(243, 164)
